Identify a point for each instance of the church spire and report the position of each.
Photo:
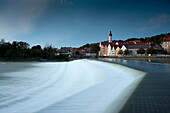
(110, 37)
(110, 33)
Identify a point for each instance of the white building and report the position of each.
(166, 43)
(110, 48)
(66, 50)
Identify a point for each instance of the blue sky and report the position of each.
(77, 22)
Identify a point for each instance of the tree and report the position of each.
(95, 47)
(126, 52)
(2, 41)
(23, 49)
(49, 52)
(168, 51)
(77, 53)
(142, 39)
(120, 52)
(141, 51)
(4, 48)
(36, 47)
(82, 47)
(131, 39)
(164, 52)
(151, 50)
(23, 45)
(13, 51)
(36, 51)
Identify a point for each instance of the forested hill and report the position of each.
(156, 39)
(93, 46)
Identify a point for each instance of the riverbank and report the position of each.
(157, 59)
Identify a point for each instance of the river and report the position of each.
(153, 93)
(85, 86)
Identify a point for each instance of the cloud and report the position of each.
(18, 16)
(160, 19)
(156, 22)
(64, 2)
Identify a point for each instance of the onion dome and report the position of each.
(110, 34)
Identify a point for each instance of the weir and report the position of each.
(152, 93)
(69, 87)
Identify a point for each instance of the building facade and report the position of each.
(109, 48)
(66, 50)
(166, 43)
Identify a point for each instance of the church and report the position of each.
(110, 48)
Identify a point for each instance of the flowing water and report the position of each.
(153, 92)
(146, 66)
(67, 87)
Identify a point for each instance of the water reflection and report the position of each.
(136, 59)
(143, 65)
(114, 59)
(149, 60)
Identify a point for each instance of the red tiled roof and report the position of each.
(86, 48)
(130, 43)
(166, 39)
(80, 51)
(55, 48)
(74, 49)
(120, 44)
(139, 43)
(107, 43)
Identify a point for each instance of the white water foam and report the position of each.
(100, 88)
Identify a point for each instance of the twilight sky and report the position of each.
(77, 22)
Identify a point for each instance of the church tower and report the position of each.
(110, 37)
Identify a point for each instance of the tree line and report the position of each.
(156, 39)
(22, 51)
(94, 46)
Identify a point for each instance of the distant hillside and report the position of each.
(93, 46)
(156, 39)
